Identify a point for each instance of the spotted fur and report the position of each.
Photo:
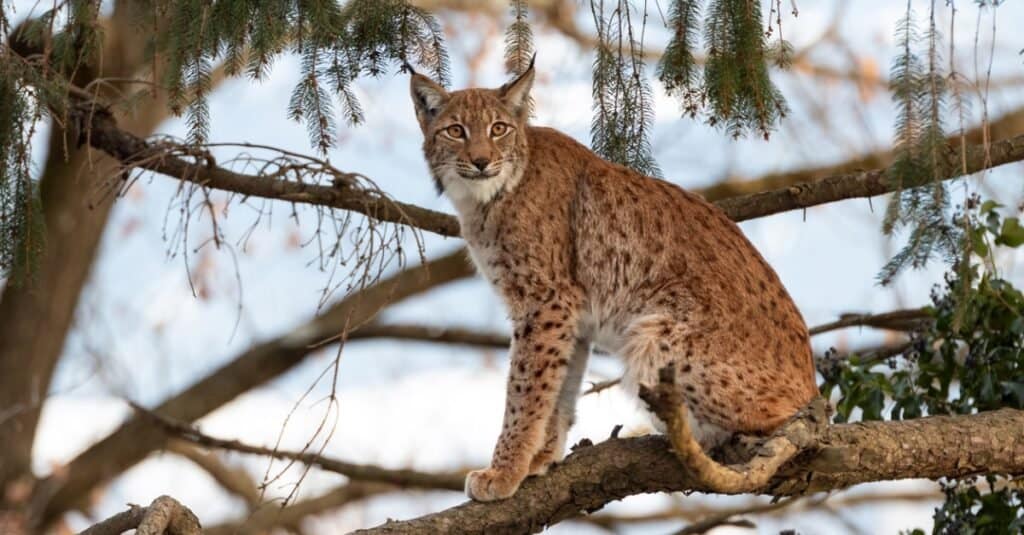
(586, 252)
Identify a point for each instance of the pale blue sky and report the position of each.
(140, 331)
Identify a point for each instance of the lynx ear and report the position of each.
(428, 97)
(516, 94)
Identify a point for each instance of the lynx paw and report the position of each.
(542, 462)
(489, 484)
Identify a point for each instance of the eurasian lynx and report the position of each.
(586, 251)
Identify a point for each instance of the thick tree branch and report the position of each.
(137, 437)
(1006, 126)
(846, 454)
(137, 152)
(867, 183)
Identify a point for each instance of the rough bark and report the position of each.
(137, 437)
(846, 455)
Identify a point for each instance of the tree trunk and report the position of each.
(36, 316)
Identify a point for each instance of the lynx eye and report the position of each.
(499, 129)
(455, 131)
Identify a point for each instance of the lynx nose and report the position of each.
(481, 163)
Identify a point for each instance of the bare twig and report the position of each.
(601, 386)
(897, 320)
(828, 363)
(358, 472)
(272, 516)
(1007, 126)
(694, 513)
(727, 517)
(442, 335)
(234, 479)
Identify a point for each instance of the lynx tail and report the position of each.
(801, 431)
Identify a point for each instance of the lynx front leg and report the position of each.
(565, 411)
(541, 352)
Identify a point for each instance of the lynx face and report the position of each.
(475, 139)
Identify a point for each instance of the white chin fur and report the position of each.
(469, 194)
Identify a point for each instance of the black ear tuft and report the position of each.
(428, 98)
(516, 94)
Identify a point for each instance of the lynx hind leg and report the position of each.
(801, 431)
(565, 411)
(663, 365)
(656, 341)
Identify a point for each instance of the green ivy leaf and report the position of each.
(1011, 234)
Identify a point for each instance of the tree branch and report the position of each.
(136, 152)
(1006, 126)
(136, 438)
(272, 515)
(357, 472)
(867, 183)
(899, 320)
(139, 153)
(441, 335)
(727, 517)
(847, 454)
(235, 480)
(695, 512)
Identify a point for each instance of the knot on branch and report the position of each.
(165, 516)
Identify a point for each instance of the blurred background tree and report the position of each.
(84, 86)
